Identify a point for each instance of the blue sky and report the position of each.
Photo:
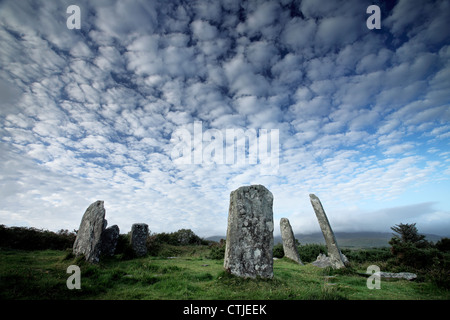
(363, 115)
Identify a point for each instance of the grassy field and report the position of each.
(190, 275)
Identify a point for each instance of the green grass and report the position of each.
(42, 275)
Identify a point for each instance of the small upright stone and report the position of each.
(289, 247)
(88, 240)
(336, 258)
(139, 232)
(249, 243)
(110, 236)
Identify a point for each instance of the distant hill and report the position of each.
(215, 238)
(346, 239)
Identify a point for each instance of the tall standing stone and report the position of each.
(249, 243)
(139, 233)
(336, 258)
(289, 247)
(109, 239)
(88, 240)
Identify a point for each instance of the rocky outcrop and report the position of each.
(249, 243)
(399, 275)
(324, 261)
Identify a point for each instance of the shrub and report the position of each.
(407, 254)
(365, 255)
(309, 252)
(278, 251)
(443, 245)
(411, 249)
(181, 237)
(153, 245)
(217, 251)
(122, 243)
(408, 233)
(168, 238)
(35, 239)
(440, 272)
(123, 247)
(187, 237)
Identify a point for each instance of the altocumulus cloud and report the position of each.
(89, 114)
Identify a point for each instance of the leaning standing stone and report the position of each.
(139, 232)
(88, 240)
(289, 247)
(249, 243)
(336, 258)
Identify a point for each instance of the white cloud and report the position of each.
(261, 18)
(399, 148)
(202, 30)
(89, 114)
(299, 34)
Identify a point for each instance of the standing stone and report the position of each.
(88, 240)
(336, 258)
(139, 233)
(109, 239)
(249, 243)
(289, 247)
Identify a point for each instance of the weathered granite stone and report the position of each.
(139, 233)
(336, 259)
(249, 243)
(289, 247)
(399, 275)
(323, 261)
(109, 239)
(88, 240)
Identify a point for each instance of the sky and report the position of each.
(359, 117)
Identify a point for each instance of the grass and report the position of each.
(190, 275)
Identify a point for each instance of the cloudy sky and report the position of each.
(362, 116)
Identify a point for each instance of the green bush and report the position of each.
(217, 252)
(309, 252)
(407, 254)
(411, 249)
(278, 251)
(186, 237)
(443, 245)
(35, 239)
(369, 254)
(413, 252)
(440, 272)
(163, 237)
(153, 245)
(122, 243)
(181, 237)
(123, 247)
